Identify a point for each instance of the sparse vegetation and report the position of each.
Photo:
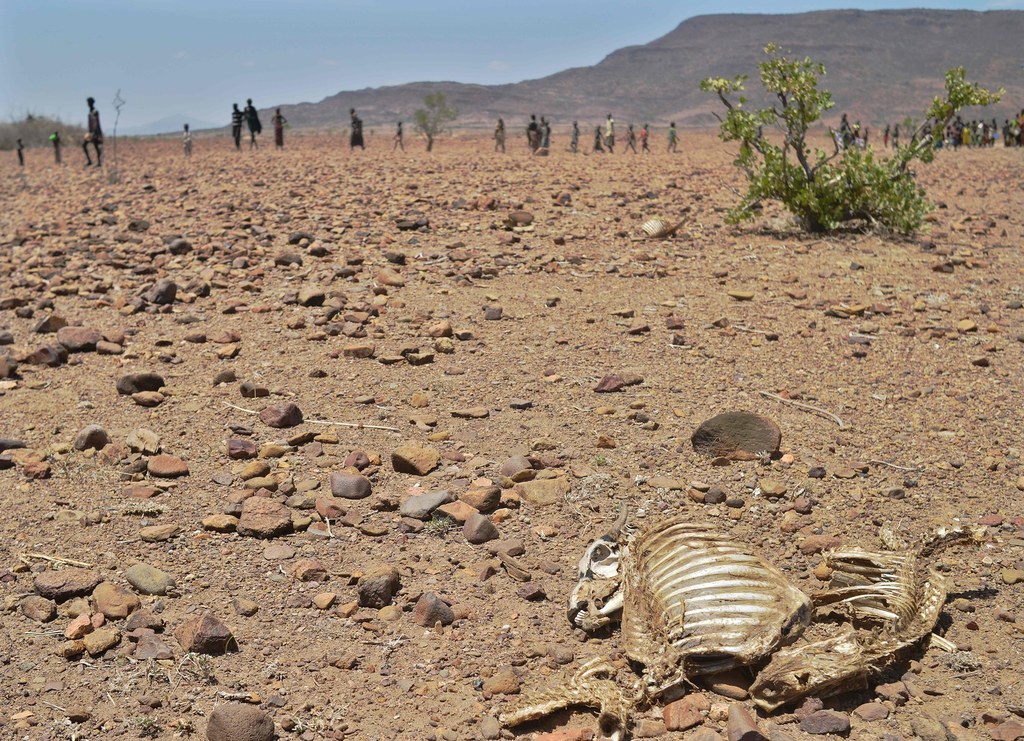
(826, 191)
(434, 117)
(35, 131)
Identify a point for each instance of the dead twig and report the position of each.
(358, 425)
(53, 559)
(893, 465)
(807, 407)
(241, 409)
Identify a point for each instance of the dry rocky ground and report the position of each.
(208, 545)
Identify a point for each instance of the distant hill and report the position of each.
(882, 65)
(168, 125)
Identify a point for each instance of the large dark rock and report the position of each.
(737, 435)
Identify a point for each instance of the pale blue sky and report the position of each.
(196, 57)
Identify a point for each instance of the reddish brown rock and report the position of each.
(67, 583)
(479, 529)
(310, 569)
(165, 466)
(686, 713)
(115, 602)
(38, 608)
(238, 449)
(285, 414)
(264, 518)
(205, 634)
(79, 339)
(431, 610)
(741, 725)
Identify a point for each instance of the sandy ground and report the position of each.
(915, 347)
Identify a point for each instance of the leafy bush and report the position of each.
(434, 118)
(827, 190)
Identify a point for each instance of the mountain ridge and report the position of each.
(882, 65)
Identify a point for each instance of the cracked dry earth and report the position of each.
(405, 292)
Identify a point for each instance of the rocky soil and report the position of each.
(310, 442)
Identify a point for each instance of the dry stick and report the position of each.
(54, 559)
(808, 407)
(326, 422)
(898, 468)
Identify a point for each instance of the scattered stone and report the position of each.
(414, 459)
(736, 435)
(167, 466)
(152, 647)
(91, 436)
(431, 610)
(235, 721)
(826, 721)
(159, 533)
(479, 529)
(502, 682)
(686, 713)
(378, 587)
(543, 492)
(205, 634)
(67, 583)
(148, 579)
(38, 608)
(420, 506)
(610, 383)
(285, 414)
(741, 725)
(263, 517)
(164, 291)
(113, 601)
(141, 440)
(133, 383)
(310, 569)
(79, 339)
(349, 486)
(101, 640)
(871, 712)
(220, 523)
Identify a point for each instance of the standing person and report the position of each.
(399, 139)
(278, 122)
(597, 139)
(252, 121)
(21, 153)
(94, 135)
(609, 134)
(673, 137)
(236, 126)
(630, 139)
(356, 137)
(186, 140)
(533, 134)
(885, 137)
(545, 133)
(574, 141)
(644, 136)
(896, 136)
(55, 138)
(499, 136)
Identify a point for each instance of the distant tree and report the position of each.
(826, 191)
(434, 117)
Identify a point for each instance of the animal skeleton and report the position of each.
(694, 602)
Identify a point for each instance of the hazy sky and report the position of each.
(196, 57)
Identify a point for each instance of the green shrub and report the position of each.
(826, 191)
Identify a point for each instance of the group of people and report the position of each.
(984, 134)
(251, 118)
(538, 136)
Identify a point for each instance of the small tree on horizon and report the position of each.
(434, 117)
(826, 191)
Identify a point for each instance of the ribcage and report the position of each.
(701, 602)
